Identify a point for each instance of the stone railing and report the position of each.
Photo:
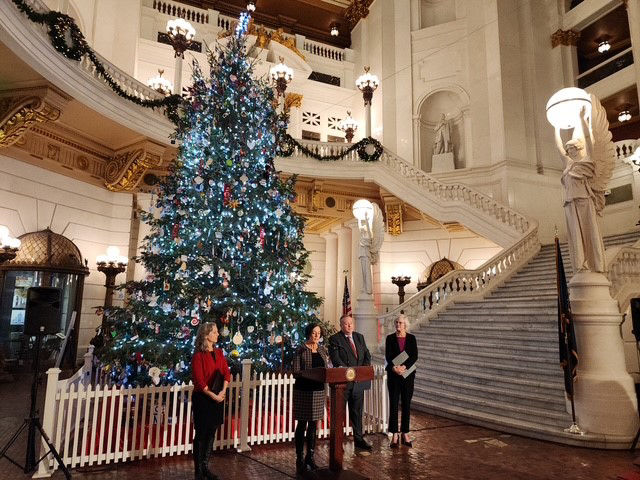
(176, 9)
(463, 284)
(625, 148)
(129, 84)
(623, 269)
(323, 50)
(481, 203)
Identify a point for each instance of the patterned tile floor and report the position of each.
(443, 450)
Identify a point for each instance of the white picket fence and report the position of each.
(92, 423)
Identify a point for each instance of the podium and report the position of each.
(337, 378)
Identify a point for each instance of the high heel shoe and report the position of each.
(406, 442)
(396, 443)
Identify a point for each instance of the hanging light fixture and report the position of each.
(160, 84)
(603, 44)
(181, 34)
(625, 113)
(334, 30)
(349, 127)
(251, 5)
(281, 75)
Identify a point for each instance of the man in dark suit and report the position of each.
(348, 349)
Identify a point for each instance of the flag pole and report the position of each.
(574, 428)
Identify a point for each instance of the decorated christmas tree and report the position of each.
(225, 246)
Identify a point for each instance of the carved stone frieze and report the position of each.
(357, 10)
(292, 100)
(22, 109)
(564, 37)
(127, 167)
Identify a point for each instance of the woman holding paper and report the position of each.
(211, 377)
(401, 354)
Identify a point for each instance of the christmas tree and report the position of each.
(226, 245)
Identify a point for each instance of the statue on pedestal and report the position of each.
(589, 158)
(371, 237)
(442, 142)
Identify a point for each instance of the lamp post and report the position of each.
(160, 84)
(8, 245)
(180, 34)
(401, 282)
(281, 75)
(367, 84)
(111, 265)
(349, 127)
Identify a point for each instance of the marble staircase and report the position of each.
(494, 362)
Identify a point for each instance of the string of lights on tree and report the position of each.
(225, 242)
(67, 39)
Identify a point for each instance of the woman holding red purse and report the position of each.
(211, 376)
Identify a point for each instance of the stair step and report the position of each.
(536, 364)
(488, 392)
(502, 348)
(546, 417)
(503, 381)
(502, 294)
(522, 370)
(504, 354)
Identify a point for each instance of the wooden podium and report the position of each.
(337, 378)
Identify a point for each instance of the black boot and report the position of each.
(311, 445)
(196, 459)
(206, 456)
(299, 437)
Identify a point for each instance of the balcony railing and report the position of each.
(605, 69)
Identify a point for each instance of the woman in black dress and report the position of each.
(308, 396)
(211, 376)
(400, 388)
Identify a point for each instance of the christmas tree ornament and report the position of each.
(225, 331)
(237, 338)
(250, 328)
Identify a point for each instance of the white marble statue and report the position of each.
(442, 143)
(589, 158)
(371, 238)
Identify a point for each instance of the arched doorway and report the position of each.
(45, 259)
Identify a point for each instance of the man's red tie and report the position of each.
(353, 346)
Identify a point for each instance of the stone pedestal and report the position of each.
(442, 162)
(605, 396)
(366, 319)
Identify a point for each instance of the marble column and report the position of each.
(605, 397)
(417, 155)
(331, 277)
(343, 263)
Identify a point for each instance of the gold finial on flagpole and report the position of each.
(555, 228)
(345, 271)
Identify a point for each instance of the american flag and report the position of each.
(346, 299)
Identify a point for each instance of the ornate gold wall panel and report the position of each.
(127, 167)
(22, 109)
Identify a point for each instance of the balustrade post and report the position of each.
(87, 367)
(44, 470)
(245, 390)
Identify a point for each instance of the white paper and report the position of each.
(399, 360)
(409, 371)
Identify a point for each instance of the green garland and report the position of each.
(62, 29)
(288, 144)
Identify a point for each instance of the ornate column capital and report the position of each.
(564, 37)
(127, 167)
(21, 109)
(393, 208)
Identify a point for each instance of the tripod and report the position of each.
(32, 423)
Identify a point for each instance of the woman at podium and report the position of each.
(401, 353)
(308, 396)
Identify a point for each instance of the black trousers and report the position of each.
(355, 399)
(400, 390)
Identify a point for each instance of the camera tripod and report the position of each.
(31, 424)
